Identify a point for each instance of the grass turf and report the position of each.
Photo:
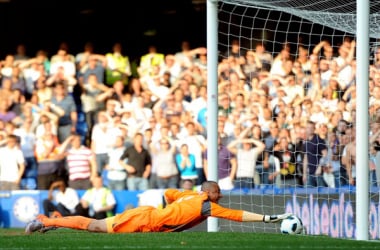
(70, 239)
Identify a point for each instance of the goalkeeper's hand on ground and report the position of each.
(275, 218)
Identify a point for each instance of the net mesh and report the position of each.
(309, 34)
(338, 14)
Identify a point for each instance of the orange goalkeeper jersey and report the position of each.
(185, 210)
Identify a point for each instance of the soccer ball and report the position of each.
(291, 225)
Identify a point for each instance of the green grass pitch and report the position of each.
(71, 239)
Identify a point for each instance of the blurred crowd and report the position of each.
(285, 119)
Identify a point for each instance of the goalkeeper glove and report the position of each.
(275, 218)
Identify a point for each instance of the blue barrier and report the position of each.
(273, 190)
(21, 206)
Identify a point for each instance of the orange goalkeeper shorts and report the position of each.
(132, 220)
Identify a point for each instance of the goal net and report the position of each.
(288, 69)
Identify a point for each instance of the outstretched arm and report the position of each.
(244, 216)
(253, 217)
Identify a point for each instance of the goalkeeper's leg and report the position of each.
(74, 222)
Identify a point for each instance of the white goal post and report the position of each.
(335, 20)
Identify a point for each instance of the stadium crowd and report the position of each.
(285, 119)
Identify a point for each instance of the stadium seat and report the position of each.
(30, 173)
(81, 125)
(104, 177)
(28, 183)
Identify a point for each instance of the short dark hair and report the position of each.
(186, 180)
(207, 184)
(15, 137)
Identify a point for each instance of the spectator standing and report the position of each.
(16, 106)
(298, 137)
(314, 149)
(265, 57)
(45, 114)
(61, 76)
(118, 66)
(42, 91)
(375, 153)
(262, 175)
(187, 56)
(138, 165)
(7, 66)
(63, 67)
(282, 64)
(68, 121)
(116, 173)
(186, 164)
(284, 151)
(6, 89)
(199, 103)
(42, 56)
(349, 156)
(141, 113)
(82, 57)
(81, 163)
(135, 88)
(100, 139)
(334, 153)
(6, 115)
(225, 106)
(198, 146)
(90, 106)
(63, 51)
(174, 134)
(32, 70)
(246, 156)
(373, 165)
(149, 60)
(96, 64)
(20, 54)
(326, 48)
(114, 93)
(28, 146)
(234, 51)
(294, 91)
(344, 139)
(270, 141)
(166, 169)
(172, 67)
(12, 164)
(252, 66)
(227, 166)
(48, 154)
(18, 80)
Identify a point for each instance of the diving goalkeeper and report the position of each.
(184, 210)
